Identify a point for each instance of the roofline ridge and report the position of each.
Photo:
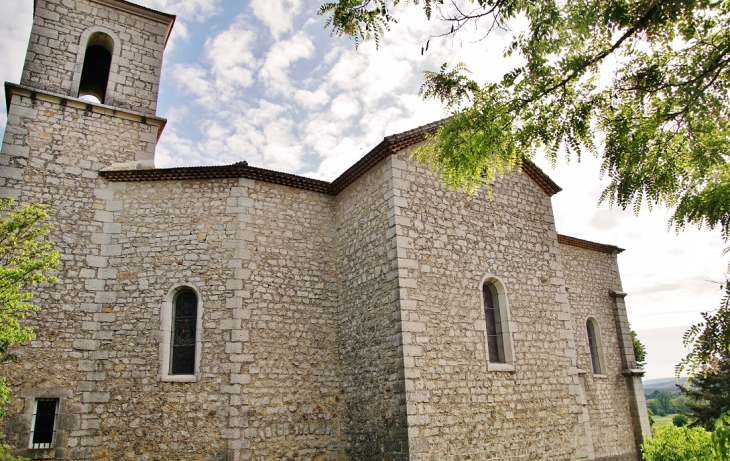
(588, 244)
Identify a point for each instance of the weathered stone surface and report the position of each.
(346, 326)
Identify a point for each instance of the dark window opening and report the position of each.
(495, 342)
(185, 317)
(97, 64)
(44, 423)
(593, 345)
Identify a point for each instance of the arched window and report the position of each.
(184, 333)
(181, 333)
(495, 339)
(498, 327)
(97, 63)
(595, 345)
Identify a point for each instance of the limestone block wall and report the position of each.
(447, 244)
(589, 276)
(369, 321)
(259, 255)
(60, 33)
(292, 406)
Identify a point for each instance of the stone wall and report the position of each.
(259, 255)
(447, 244)
(369, 320)
(58, 41)
(330, 327)
(589, 276)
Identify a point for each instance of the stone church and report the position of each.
(237, 313)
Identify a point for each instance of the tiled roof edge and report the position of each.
(540, 178)
(362, 166)
(237, 170)
(394, 143)
(389, 145)
(588, 245)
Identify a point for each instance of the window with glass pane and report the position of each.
(593, 345)
(495, 344)
(43, 425)
(184, 323)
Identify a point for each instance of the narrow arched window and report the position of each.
(184, 333)
(97, 64)
(492, 315)
(594, 344)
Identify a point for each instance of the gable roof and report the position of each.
(388, 146)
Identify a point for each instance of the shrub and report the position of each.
(672, 443)
(680, 420)
(6, 454)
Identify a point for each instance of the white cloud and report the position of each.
(311, 99)
(193, 79)
(277, 15)
(228, 70)
(231, 57)
(344, 106)
(274, 73)
(345, 72)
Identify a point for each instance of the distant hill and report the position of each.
(662, 384)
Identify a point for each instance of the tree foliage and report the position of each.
(639, 350)
(680, 420)
(663, 119)
(680, 404)
(721, 437)
(709, 340)
(672, 443)
(708, 365)
(664, 402)
(709, 395)
(26, 257)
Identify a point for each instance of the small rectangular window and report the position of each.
(43, 425)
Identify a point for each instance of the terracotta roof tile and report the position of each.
(237, 170)
(588, 245)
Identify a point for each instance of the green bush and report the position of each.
(672, 443)
(680, 420)
(6, 454)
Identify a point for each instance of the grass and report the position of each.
(660, 421)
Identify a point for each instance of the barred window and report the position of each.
(43, 424)
(184, 334)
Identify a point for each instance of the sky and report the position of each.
(263, 81)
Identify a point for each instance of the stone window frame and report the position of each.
(505, 321)
(109, 99)
(37, 420)
(166, 317)
(64, 421)
(600, 352)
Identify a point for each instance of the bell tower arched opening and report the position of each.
(97, 63)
